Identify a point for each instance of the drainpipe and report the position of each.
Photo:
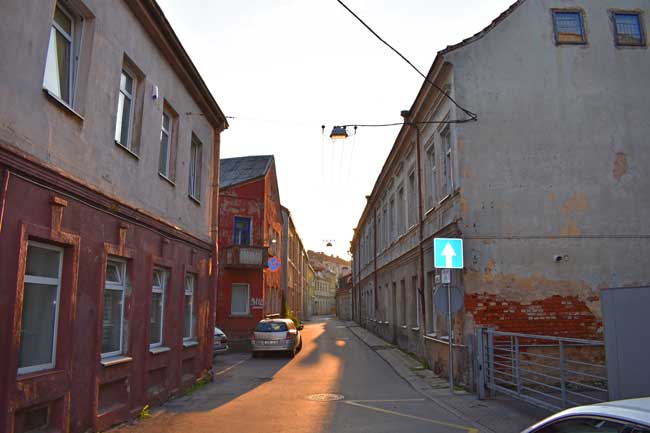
(214, 237)
(418, 157)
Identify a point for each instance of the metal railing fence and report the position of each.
(550, 372)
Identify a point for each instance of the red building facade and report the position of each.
(250, 222)
(108, 215)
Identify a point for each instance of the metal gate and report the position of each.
(549, 372)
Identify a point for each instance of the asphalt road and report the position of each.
(279, 394)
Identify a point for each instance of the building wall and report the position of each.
(256, 200)
(548, 190)
(85, 148)
(562, 175)
(68, 184)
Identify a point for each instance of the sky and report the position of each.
(284, 68)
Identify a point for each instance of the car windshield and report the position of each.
(271, 327)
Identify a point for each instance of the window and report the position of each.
(239, 302)
(401, 211)
(569, 27)
(402, 295)
(157, 307)
(242, 231)
(113, 318)
(628, 30)
(448, 172)
(431, 177)
(189, 329)
(583, 424)
(168, 137)
(430, 308)
(386, 228)
(411, 205)
(391, 216)
(62, 55)
(196, 159)
(416, 300)
(40, 318)
(125, 105)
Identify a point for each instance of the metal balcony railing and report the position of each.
(246, 256)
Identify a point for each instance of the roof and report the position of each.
(636, 410)
(243, 169)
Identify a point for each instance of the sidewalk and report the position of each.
(499, 415)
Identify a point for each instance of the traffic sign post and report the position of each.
(447, 255)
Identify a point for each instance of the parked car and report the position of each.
(220, 343)
(274, 335)
(621, 416)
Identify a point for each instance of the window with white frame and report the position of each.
(411, 207)
(40, 315)
(157, 314)
(62, 55)
(445, 136)
(432, 196)
(113, 312)
(167, 136)
(125, 109)
(380, 227)
(189, 328)
(239, 304)
(386, 228)
(196, 152)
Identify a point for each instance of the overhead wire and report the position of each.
(473, 116)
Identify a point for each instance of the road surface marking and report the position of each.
(388, 401)
(226, 370)
(418, 418)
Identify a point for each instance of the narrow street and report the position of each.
(272, 394)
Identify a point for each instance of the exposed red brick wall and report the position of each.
(565, 316)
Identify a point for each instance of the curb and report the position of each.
(453, 411)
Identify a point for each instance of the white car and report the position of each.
(276, 335)
(220, 343)
(621, 416)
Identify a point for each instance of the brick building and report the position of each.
(250, 218)
(109, 150)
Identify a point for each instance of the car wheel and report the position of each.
(256, 354)
(292, 352)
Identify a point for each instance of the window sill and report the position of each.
(127, 150)
(158, 349)
(190, 343)
(171, 182)
(416, 329)
(240, 316)
(61, 103)
(115, 360)
(194, 199)
(404, 326)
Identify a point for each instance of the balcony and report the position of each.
(246, 257)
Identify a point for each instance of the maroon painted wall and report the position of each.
(79, 390)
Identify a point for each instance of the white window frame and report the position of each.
(248, 298)
(411, 199)
(131, 98)
(189, 290)
(74, 40)
(194, 189)
(168, 132)
(49, 281)
(164, 277)
(401, 210)
(117, 287)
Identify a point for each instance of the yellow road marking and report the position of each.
(226, 370)
(387, 401)
(419, 418)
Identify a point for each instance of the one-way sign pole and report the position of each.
(448, 254)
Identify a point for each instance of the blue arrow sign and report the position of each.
(448, 253)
